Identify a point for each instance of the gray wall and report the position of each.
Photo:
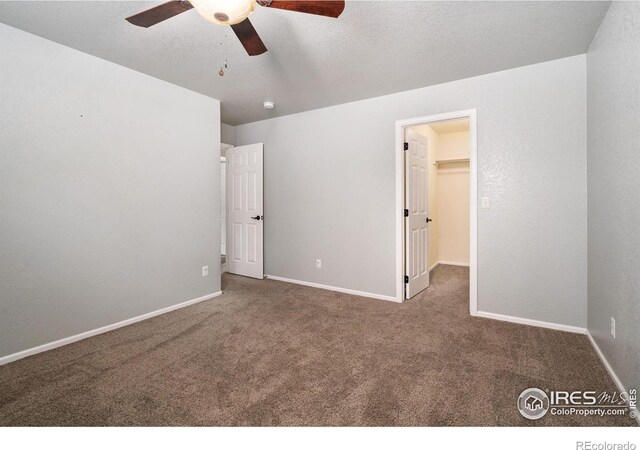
(330, 189)
(614, 188)
(227, 134)
(109, 192)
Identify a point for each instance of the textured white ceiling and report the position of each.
(374, 48)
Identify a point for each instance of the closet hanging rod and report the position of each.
(450, 161)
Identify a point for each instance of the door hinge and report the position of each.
(406, 213)
(406, 278)
(406, 146)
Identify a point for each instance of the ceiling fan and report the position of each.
(236, 14)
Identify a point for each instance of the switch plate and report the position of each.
(486, 203)
(205, 271)
(318, 264)
(613, 327)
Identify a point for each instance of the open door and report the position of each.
(245, 220)
(416, 213)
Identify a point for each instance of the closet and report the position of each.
(448, 191)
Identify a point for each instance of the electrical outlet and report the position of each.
(205, 271)
(613, 327)
(318, 264)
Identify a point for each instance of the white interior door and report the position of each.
(223, 206)
(245, 220)
(416, 212)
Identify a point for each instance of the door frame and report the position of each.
(471, 114)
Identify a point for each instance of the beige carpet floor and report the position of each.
(273, 353)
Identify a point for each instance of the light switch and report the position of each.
(486, 203)
(613, 327)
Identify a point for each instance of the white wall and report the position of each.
(453, 198)
(614, 188)
(109, 192)
(330, 189)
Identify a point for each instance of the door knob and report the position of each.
(257, 217)
(429, 220)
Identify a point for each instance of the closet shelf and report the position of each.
(450, 161)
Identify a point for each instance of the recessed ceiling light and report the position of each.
(268, 105)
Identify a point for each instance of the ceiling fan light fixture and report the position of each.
(224, 12)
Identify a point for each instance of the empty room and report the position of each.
(360, 214)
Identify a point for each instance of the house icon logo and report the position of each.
(533, 403)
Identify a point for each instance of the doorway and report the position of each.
(244, 211)
(431, 152)
(223, 206)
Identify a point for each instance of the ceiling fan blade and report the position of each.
(320, 7)
(159, 13)
(249, 38)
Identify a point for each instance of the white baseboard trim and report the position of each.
(333, 288)
(453, 263)
(447, 263)
(534, 323)
(78, 337)
(612, 373)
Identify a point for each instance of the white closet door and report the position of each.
(245, 230)
(416, 222)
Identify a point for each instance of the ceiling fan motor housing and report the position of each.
(224, 12)
(234, 13)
